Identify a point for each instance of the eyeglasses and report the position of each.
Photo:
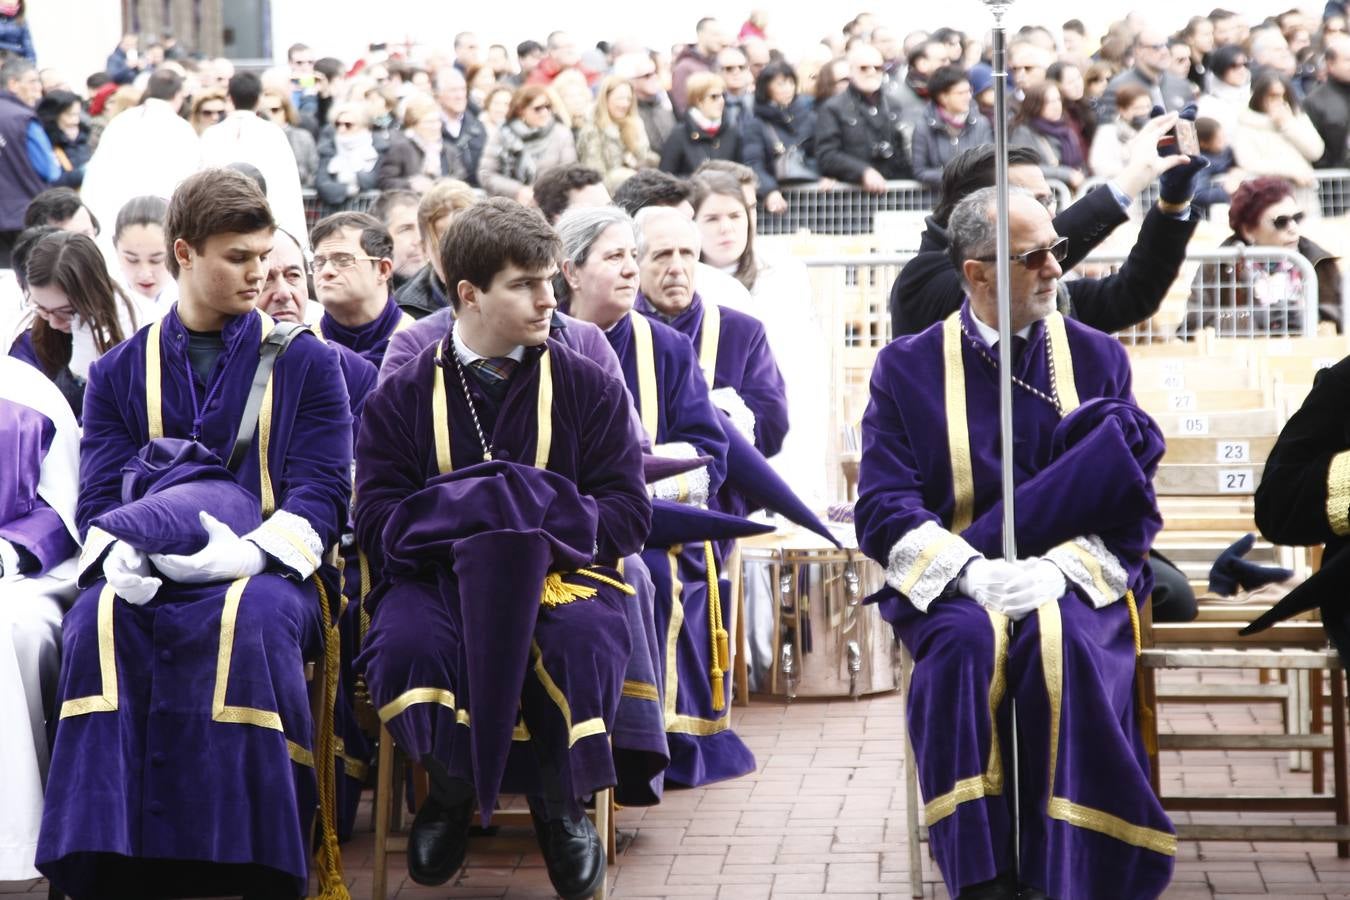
(1280, 223)
(60, 314)
(211, 114)
(340, 261)
(344, 125)
(1036, 259)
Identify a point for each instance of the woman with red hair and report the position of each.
(1251, 298)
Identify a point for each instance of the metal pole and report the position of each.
(1003, 262)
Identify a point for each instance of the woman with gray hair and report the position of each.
(611, 231)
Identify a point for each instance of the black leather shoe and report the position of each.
(572, 853)
(1000, 888)
(438, 841)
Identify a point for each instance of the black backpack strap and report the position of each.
(275, 344)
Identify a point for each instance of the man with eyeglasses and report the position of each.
(739, 91)
(654, 107)
(929, 511)
(861, 137)
(1150, 71)
(352, 266)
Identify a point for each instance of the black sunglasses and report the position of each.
(1283, 222)
(1036, 259)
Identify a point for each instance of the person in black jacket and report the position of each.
(929, 288)
(787, 120)
(1329, 105)
(860, 137)
(703, 134)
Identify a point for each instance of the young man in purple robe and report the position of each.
(1052, 630)
(498, 483)
(184, 754)
(353, 262)
(661, 372)
(733, 352)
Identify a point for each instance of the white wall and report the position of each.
(75, 36)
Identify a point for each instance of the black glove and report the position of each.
(1230, 571)
(1177, 185)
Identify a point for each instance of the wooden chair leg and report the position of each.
(911, 784)
(1149, 721)
(741, 677)
(604, 823)
(1338, 743)
(384, 804)
(1318, 726)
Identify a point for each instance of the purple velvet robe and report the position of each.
(170, 768)
(744, 363)
(415, 660)
(703, 748)
(1091, 825)
(26, 521)
(370, 340)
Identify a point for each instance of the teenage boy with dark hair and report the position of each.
(498, 483)
(184, 753)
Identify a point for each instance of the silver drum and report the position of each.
(825, 642)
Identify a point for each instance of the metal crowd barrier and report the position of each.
(847, 209)
(316, 209)
(1333, 191)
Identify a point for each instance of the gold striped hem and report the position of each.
(220, 711)
(696, 726)
(1112, 826)
(299, 754)
(588, 728)
(418, 695)
(106, 701)
(641, 690)
(966, 789)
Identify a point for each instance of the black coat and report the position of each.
(929, 288)
(470, 143)
(781, 128)
(1328, 106)
(853, 135)
(402, 159)
(689, 147)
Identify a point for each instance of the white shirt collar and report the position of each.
(989, 334)
(467, 355)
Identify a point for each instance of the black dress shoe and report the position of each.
(572, 853)
(1004, 887)
(438, 841)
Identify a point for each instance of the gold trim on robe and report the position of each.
(710, 337)
(106, 701)
(1065, 384)
(648, 407)
(958, 432)
(220, 711)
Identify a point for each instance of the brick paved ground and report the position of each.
(824, 816)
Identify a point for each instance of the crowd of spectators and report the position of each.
(865, 106)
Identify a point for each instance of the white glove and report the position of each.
(1039, 582)
(990, 583)
(128, 571)
(9, 560)
(731, 403)
(225, 557)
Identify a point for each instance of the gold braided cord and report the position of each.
(1134, 623)
(331, 884)
(720, 648)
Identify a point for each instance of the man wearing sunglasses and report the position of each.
(928, 510)
(929, 287)
(1150, 72)
(860, 135)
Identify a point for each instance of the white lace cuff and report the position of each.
(730, 402)
(1087, 563)
(96, 545)
(291, 541)
(687, 487)
(925, 561)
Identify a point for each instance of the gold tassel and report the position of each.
(1134, 623)
(331, 883)
(558, 592)
(720, 650)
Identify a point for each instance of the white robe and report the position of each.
(30, 632)
(244, 137)
(146, 150)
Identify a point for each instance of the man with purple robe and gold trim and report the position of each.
(498, 486)
(662, 374)
(353, 262)
(1056, 631)
(184, 753)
